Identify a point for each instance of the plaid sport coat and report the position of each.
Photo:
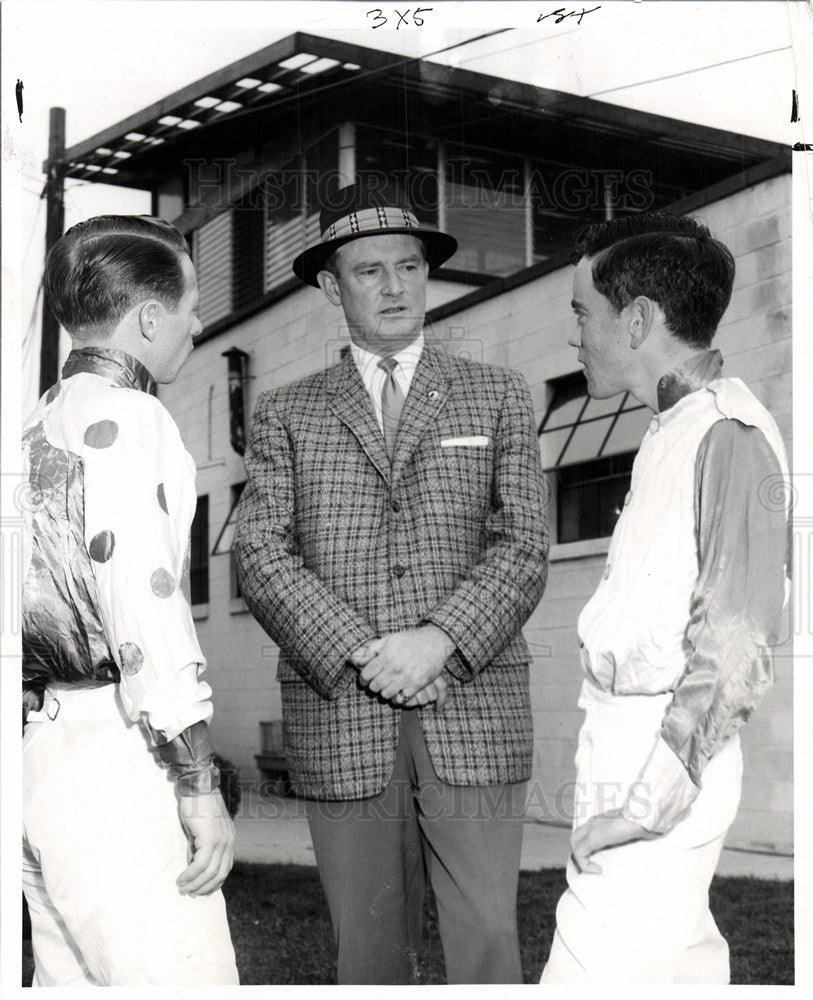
(335, 545)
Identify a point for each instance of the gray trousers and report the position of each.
(374, 856)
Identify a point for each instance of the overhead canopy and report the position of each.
(304, 73)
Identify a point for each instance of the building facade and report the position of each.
(240, 161)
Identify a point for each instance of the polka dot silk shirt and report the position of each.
(112, 497)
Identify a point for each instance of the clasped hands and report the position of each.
(406, 667)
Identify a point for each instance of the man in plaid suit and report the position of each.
(392, 540)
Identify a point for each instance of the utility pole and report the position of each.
(55, 224)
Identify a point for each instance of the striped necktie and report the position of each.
(392, 403)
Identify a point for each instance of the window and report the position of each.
(287, 225)
(245, 252)
(236, 493)
(478, 191)
(588, 446)
(199, 553)
(225, 539)
(212, 257)
(411, 161)
(484, 195)
(247, 240)
(590, 497)
(510, 202)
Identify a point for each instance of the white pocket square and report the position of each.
(465, 442)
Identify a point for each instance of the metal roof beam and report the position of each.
(223, 77)
(247, 66)
(430, 78)
(586, 111)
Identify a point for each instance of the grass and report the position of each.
(281, 928)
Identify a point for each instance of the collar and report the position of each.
(695, 373)
(122, 369)
(407, 358)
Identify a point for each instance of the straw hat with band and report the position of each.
(365, 209)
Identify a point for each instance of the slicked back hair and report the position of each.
(671, 259)
(104, 266)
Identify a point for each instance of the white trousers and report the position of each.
(645, 918)
(102, 848)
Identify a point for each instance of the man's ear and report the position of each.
(148, 320)
(330, 286)
(643, 315)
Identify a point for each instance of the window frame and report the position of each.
(199, 533)
(570, 388)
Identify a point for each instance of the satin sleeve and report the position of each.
(736, 616)
(139, 503)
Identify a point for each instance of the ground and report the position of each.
(281, 928)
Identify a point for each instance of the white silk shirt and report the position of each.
(695, 582)
(112, 497)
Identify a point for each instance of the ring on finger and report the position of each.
(401, 696)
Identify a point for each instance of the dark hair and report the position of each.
(671, 259)
(332, 263)
(101, 268)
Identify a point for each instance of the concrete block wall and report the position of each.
(526, 329)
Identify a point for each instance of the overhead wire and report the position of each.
(30, 328)
(627, 86)
(687, 72)
(33, 233)
(402, 64)
(397, 65)
(68, 188)
(515, 48)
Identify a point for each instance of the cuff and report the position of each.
(196, 782)
(191, 760)
(180, 701)
(457, 664)
(663, 793)
(458, 668)
(339, 672)
(32, 701)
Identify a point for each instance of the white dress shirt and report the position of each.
(374, 377)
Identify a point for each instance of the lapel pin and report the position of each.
(433, 394)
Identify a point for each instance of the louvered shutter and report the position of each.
(212, 255)
(283, 241)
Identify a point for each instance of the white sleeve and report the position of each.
(139, 504)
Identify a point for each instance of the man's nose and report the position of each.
(574, 340)
(392, 283)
